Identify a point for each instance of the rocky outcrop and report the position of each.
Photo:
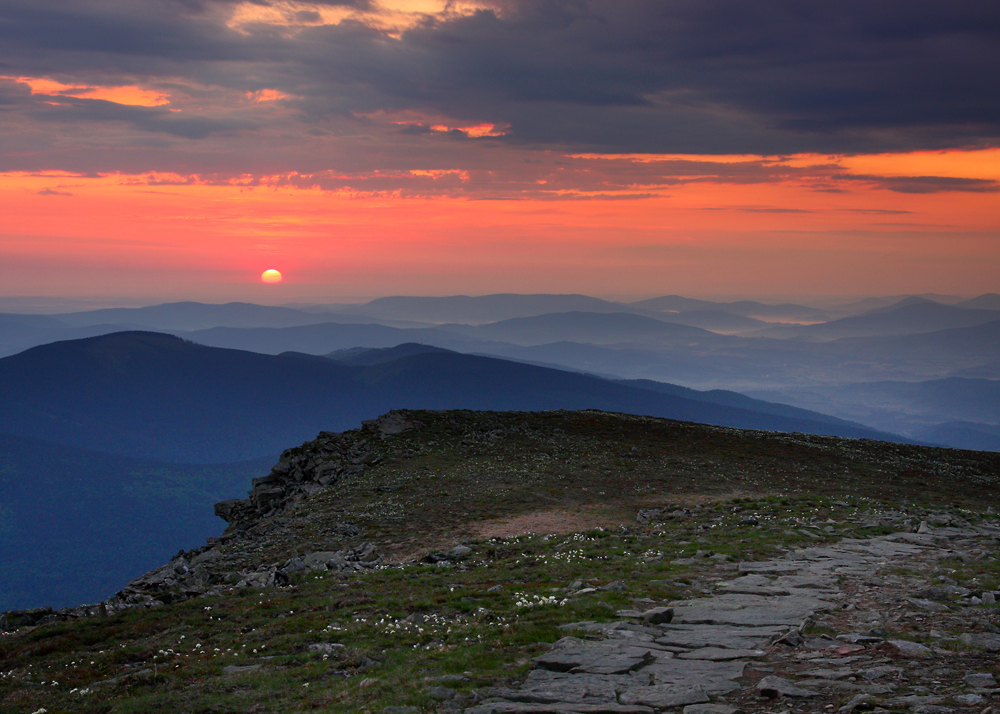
(329, 459)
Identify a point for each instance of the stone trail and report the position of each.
(720, 654)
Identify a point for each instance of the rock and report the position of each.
(980, 641)
(240, 669)
(15, 619)
(927, 605)
(647, 515)
(942, 592)
(663, 696)
(792, 638)
(366, 553)
(616, 586)
(234, 510)
(989, 598)
(327, 648)
(909, 649)
(718, 654)
(658, 615)
(709, 709)
(441, 694)
(459, 552)
(320, 560)
(573, 655)
(969, 699)
(980, 680)
(401, 710)
(389, 424)
(772, 687)
(856, 639)
(858, 701)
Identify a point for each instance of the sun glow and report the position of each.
(271, 276)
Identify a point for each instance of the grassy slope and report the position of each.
(438, 485)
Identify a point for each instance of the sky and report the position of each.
(176, 149)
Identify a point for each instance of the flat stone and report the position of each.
(662, 696)
(927, 605)
(718, 654)
(714, 677)
(696, 636)
(969, 699)
(709, 709)
(401, 710)
(980, 641)
(833, 674)
(772, 687)
(909, 649)
(755, 616)
(978, 680)
(771, 566)
(573, 655)
(545, 687)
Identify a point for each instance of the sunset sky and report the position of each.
(175, 149)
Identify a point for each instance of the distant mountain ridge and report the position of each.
(913, 317)
(157, 396)
(587, 327)
(478, 309)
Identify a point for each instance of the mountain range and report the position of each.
(151, 395)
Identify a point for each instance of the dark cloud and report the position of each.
(151, 119)
(662, 76)
(926, 184)
(53, 192)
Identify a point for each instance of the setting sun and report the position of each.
(271, 276)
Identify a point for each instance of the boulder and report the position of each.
(15, 619)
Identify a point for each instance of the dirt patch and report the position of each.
(558, 522)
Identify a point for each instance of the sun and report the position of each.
(270, 276)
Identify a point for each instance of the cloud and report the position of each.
(53, 192)
(367, 91)
(926, 184)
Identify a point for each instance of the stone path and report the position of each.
(748, 648)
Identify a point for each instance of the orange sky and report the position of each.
(72, 235)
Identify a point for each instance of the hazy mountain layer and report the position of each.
(77, 524)
(908, 319)
(479, 309)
